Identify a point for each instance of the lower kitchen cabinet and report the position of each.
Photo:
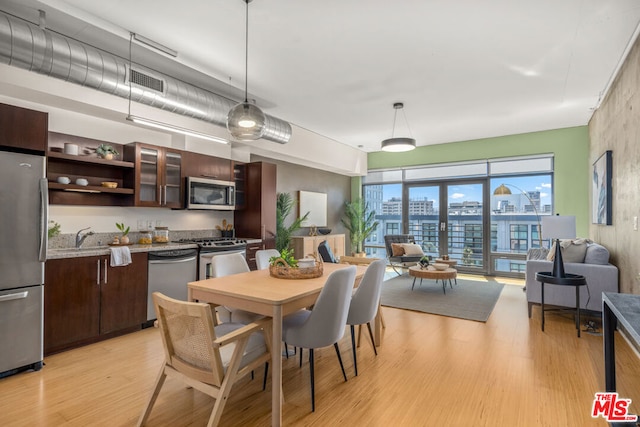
(253, 247)
(86, 300)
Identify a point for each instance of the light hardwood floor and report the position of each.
(430, 371)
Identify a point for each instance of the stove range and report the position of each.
(217, 244)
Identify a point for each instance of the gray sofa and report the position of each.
(601, 277)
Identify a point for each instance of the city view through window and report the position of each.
(450, 218)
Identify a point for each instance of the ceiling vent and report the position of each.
(145, 80)
(32, 48)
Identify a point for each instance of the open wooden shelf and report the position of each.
(89, 188)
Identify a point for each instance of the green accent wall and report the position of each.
(570, 147)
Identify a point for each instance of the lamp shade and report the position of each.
(558, 227)
(397, 145)
(246, 122)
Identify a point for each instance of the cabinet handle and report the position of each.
(165, 195)
(105, 271)
(160, 195)
(98, 276)
(263, 232)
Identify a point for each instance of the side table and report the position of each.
(569, 280)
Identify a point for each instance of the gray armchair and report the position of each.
(401, 261)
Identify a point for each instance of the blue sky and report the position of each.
(472, 192)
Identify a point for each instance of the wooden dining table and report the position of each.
(258, 292)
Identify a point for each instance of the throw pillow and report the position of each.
(397, 249)
(412, 249)
(596, 254)
(572, 250)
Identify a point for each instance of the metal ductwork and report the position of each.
(32, 48)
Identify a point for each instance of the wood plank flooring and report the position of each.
(430, 371)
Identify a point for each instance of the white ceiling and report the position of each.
(464, 69)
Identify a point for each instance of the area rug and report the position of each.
(469, 299)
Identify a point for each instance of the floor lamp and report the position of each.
(502, 190)
(558, 227)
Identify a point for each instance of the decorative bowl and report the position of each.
(324, 230)
(81, 181)
(440, 267)
(109, 184)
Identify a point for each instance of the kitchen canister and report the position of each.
(71, 149)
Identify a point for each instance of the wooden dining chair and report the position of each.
(207, 358)
(365, 303)
(225, 265)
(325, 324)
(263, 256)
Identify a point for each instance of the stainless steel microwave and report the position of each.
(205, 193)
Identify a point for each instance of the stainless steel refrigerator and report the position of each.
(23, 249)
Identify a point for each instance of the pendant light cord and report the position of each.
(246, 53)
(130, 49)
(393, 129)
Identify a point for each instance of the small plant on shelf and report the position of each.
(106, 151)
(124, 230)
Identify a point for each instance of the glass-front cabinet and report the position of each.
(158, 177)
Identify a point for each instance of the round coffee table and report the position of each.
(431, 273)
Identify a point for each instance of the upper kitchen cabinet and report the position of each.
(76, 174)
(158, 178)
(258, 218)
(23, 129)
(203, 166)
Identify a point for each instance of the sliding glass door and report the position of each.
(447, 219)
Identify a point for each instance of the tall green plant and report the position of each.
(284, 205)
(360, 221)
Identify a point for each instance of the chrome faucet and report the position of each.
(80, 238)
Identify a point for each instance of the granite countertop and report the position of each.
(59, 253)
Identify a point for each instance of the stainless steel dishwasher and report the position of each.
(169, 273)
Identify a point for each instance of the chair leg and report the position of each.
(266, 371)
(353, 346)
(286, 349)
(373, 342)
(313, 389)
(152, 399)
(344, 374)
(300, 357)
(381, 317)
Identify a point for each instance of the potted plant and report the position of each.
(360, 221)
(124, 230)
(106, 151)
(284, 206)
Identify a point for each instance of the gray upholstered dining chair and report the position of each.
(324, 325)
(365, 303)
(225, 265)
(263, 256)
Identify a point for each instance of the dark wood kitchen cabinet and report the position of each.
(23, 129)
(86, 300)
(203, 166)
(158, 179)
(258, 218)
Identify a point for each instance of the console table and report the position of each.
(569, 280)
(625, 309)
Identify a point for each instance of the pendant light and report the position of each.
(395, 144)
(245, 121)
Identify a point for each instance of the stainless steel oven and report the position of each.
(204, 271)
(213, 246)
